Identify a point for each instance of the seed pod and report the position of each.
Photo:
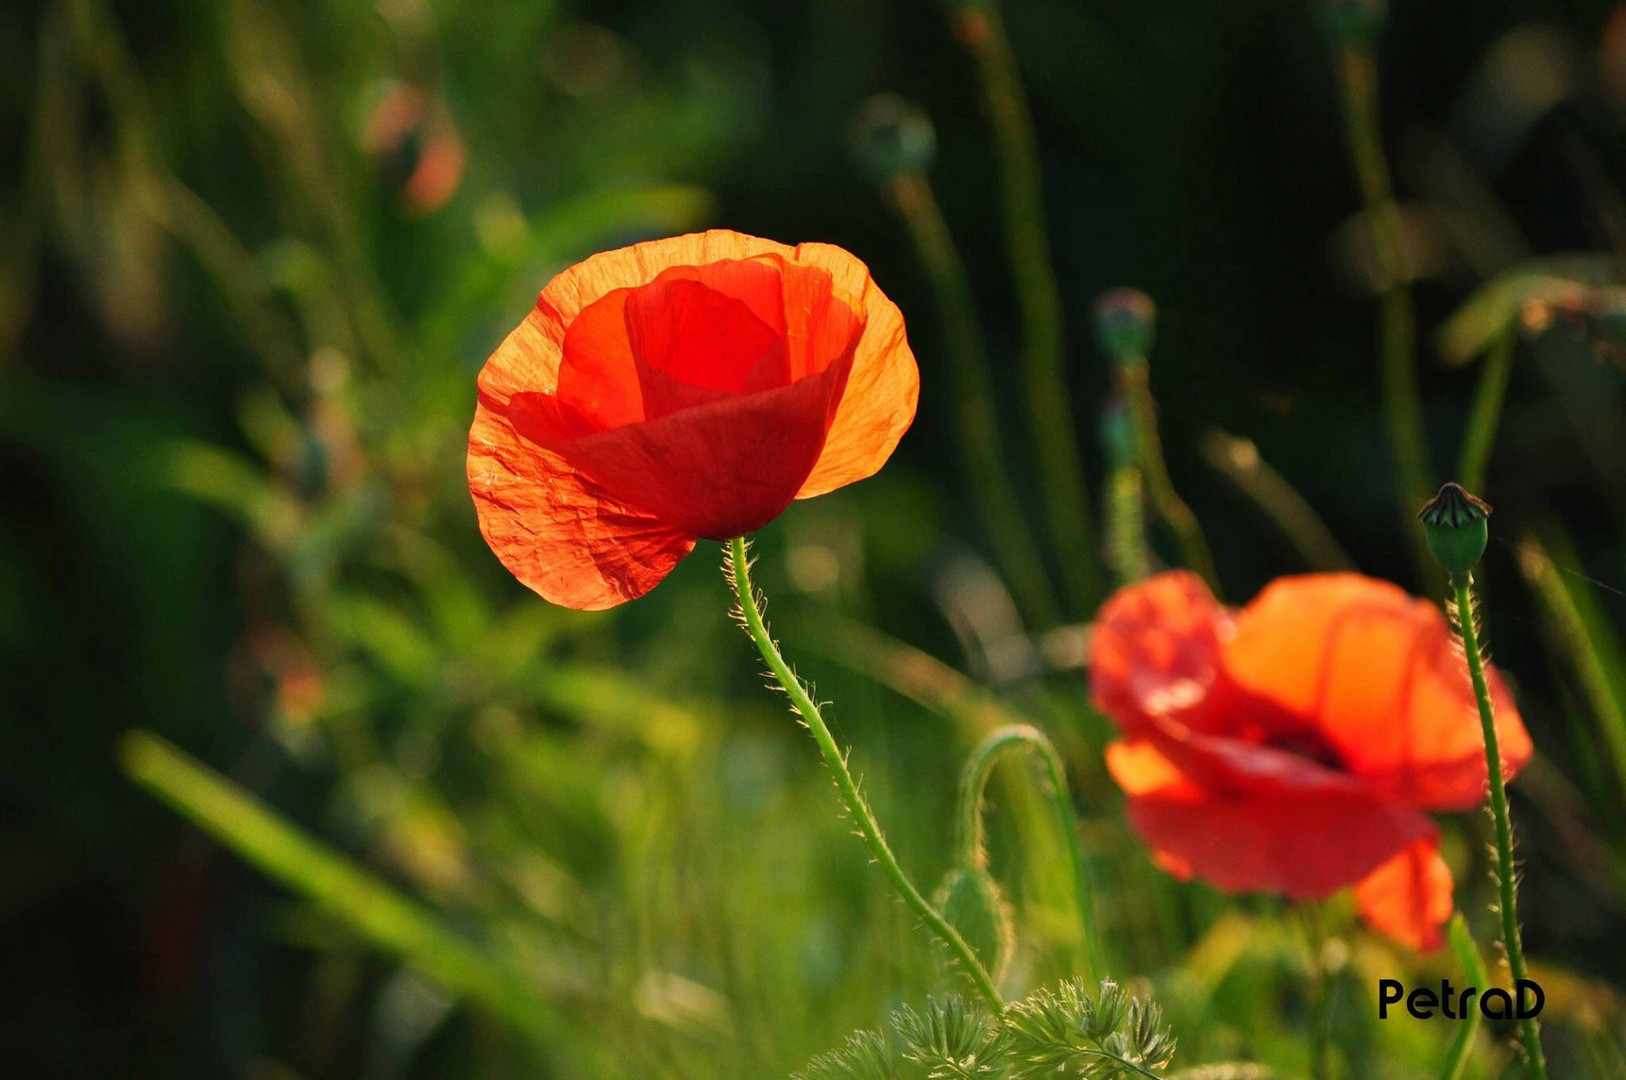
(1454, 524)
(894, 137)
(1125, 324)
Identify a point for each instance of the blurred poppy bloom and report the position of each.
(1295, 746)
(414, 140)
(676, 390)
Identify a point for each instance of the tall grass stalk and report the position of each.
(1486, 413)
(1134, 380)
(1238, 459)
(358, 899)
(1586, 641)
(981, 456)
(1126, 526)
(1473, 974)
(1061, 468)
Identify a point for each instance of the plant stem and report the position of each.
(1402, 403)
(1321, 994)
(1124, 1063)
(1486, 413)
(973, 843)
(982, 457)
(1240, 461)
(1134, 380)
(737, 567)
(1126, 527)
(1462, 587)
(1061, 467)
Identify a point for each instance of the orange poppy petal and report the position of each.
(1376, 674)
(529, 359)
(1409, 897)
(1140, 768)
(590, 492)
(882, 390)
(572, 290)
(1155, 649)
(883, 387)
(558, 532)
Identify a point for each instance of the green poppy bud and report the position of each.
(973, 903)
(1352, 24)
(1125, 324)
(1454, 523)
(894, 137)
(1117, 432)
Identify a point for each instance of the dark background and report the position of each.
(1195, 150)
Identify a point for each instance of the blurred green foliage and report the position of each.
(434, 827)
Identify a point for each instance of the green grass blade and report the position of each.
(381, 915)
(1582, 635)
(1473, 973)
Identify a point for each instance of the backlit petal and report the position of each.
(882, 390)
(1377, 675)
(1155, 649)
(1308, 838)
(1409, 897)
(555, 530)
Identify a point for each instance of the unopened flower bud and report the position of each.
(1117, 432)
(1454, 524)
(894, 137)
(1352, 24)
(1125, 324)
(972, 902)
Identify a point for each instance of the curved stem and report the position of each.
(1135, 381)
(1276, 499)
(973, 838)
(1462, 587)
(981, 455)
(1038, 297)
(737, 567)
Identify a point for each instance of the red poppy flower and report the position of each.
(1295, 746)
(675, 390)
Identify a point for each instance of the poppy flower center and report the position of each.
(1308, 745)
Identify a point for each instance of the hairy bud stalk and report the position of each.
(1455, 523)
(737, 571)
(1126, 324)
